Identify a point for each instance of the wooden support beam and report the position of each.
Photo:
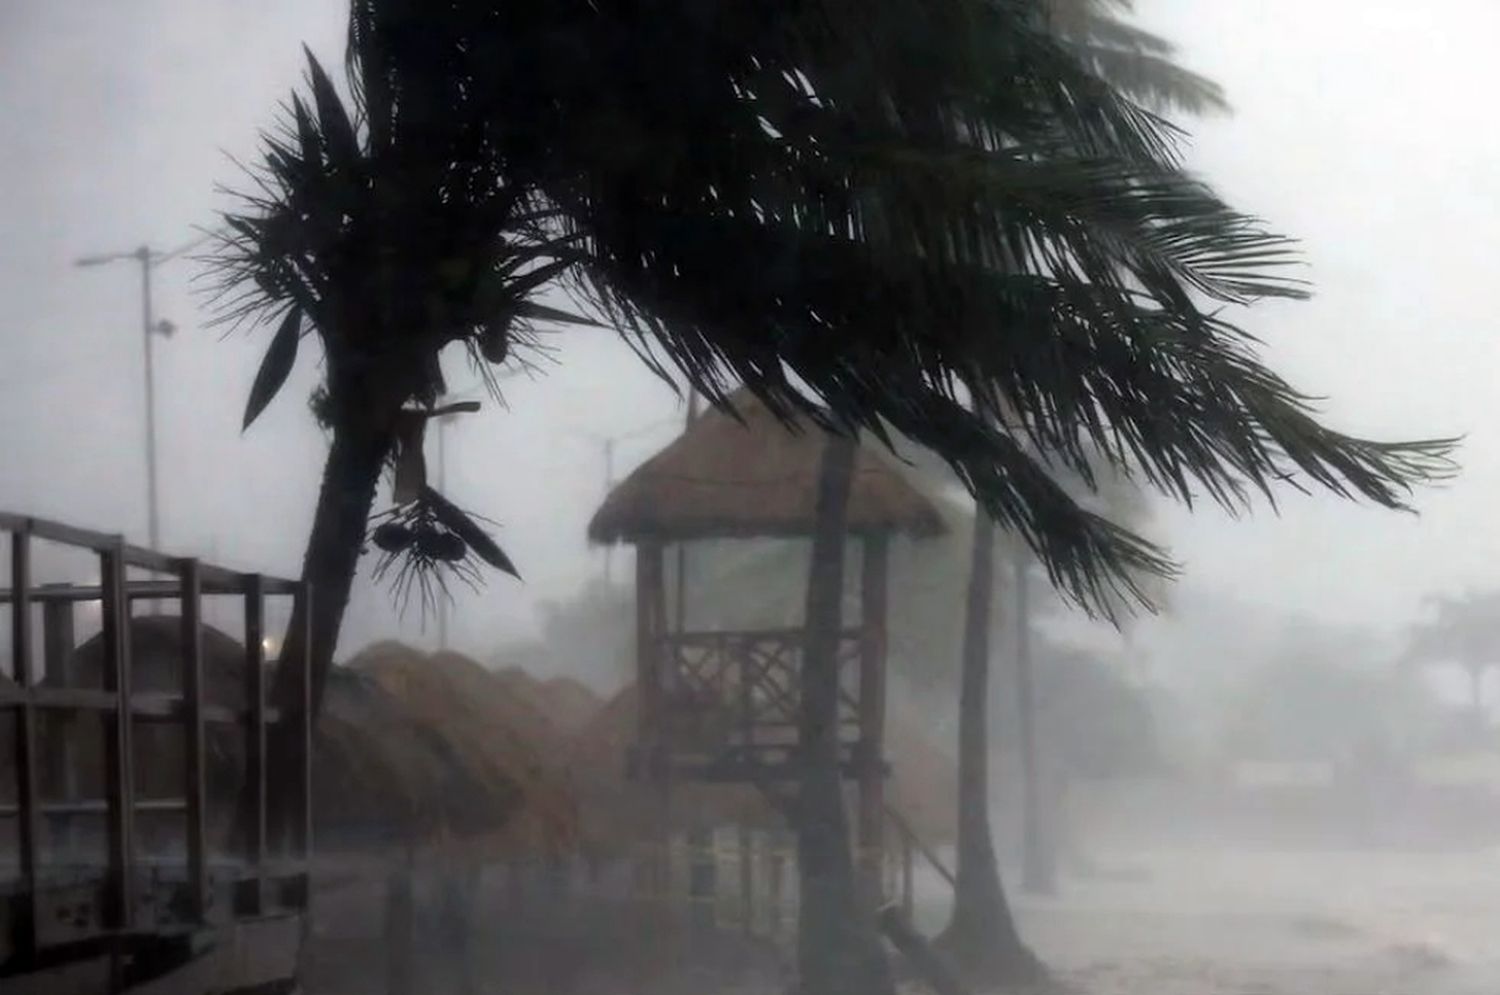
(191, 615)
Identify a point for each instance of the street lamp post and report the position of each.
(147, 259)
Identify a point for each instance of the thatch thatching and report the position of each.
(728, 478)
(570, 703)
(489, 728)
(618, 812)
(382, 775)
(567, 704)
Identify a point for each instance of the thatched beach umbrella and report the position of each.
(488, 729)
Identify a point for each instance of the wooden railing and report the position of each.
(122, 708)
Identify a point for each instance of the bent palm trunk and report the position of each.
(981, 937)
(350, 475)
(838, 950)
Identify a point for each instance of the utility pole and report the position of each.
(147, 259)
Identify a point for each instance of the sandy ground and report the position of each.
(1212, 921)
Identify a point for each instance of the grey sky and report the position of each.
(1362, 127)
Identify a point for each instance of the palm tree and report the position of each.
(981, 934)
(932, 217)
(1461, 630)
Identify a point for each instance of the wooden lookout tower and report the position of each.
(721, 706)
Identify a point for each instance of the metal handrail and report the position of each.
(123, 709)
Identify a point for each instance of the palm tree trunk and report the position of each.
(981, 937)
(838, 950)
(1038, 870)
(350, 475)
(340, 520)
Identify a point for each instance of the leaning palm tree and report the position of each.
(931, 218)
(981, 934)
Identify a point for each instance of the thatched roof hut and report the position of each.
(751, 477)
(485, 727)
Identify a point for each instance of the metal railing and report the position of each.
(122, 708)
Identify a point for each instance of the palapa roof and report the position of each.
(752, 477)
(567, 704)
(486, 727)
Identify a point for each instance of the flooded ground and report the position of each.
(1217, 921)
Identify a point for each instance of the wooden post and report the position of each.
(872, 662)
(255, 735)
(119, 755)
(191, 614)
(28, 795)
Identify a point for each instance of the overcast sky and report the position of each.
(1364, 128)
